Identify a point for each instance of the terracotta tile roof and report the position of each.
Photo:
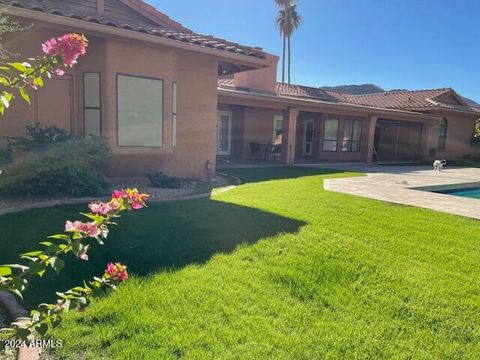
(286, 90)
(86, 10)
(304, 92)
(396, 99)
(415, 100)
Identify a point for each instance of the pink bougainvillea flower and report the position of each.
(83, 255)
(31, 84)
(117, 271)
(50, 47)
(59, 72)
(73, 226)
(136, 199)
(91, 229)
(119, 194)
(100, 208)
(85, 229)
(69, 47)
(115, 204)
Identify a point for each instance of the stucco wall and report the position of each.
(459, 135)
(196, 78)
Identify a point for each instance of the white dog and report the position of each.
(439, 164)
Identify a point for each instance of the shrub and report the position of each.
(38, 138)
(70, 168)
(161, 180)
(5, 156)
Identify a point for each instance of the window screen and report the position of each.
(352, 135)
(92, 103)
(139, 111)
(330, 135)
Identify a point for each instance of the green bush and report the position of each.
(70, 168)
(5, 156)
(38, 138)
(161, 180)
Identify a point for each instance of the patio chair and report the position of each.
(255, 150)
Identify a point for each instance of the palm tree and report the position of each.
(288, 21)
(283, 4)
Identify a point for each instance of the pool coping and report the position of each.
(412, 186)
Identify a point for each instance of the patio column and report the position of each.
(370, 138)
(289, 134)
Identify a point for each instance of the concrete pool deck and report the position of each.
(397, 184)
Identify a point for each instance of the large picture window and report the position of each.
(352, 135)
(92, 111)
(330, 135)
(442, 137)
(139, 111)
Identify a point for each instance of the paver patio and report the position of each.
(397, 184)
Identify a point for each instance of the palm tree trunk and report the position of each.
(289, 61)
(283, 58)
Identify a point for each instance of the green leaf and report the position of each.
(24, 95)
(58, 264)
(42, 329)
(37, 268)
(23, 333)
(18, 66)
(32, 253)
(38, 81)
(5, 271)
(5, 101)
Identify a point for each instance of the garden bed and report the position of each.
(194, 188)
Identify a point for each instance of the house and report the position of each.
(169, 99)
(324, 125)
(147, 83)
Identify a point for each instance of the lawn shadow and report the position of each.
(164, 236)
(253, 175)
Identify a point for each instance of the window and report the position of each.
(442, 137)
(330, 135)
(139, 111)
(92, 112)
(174, 114)
(352, 135)
(277, 130)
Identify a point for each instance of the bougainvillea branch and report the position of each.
(48, 316)
(59, 54)
(74, 239)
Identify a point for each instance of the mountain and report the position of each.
(374, 89)
(356, 89)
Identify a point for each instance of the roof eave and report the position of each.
(241, 59)
(444, 109)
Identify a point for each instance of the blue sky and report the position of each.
(413, 44)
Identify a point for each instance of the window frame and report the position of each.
(324, 139)
(162, 115)
(100, 101)
(174, 113)
(442, 136)
(351, 141)
(277, 118)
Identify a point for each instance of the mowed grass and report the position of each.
(278, 269)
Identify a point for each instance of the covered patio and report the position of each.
(263, 128)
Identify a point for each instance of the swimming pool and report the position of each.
(473, 193)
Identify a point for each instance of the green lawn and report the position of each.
(277, 269)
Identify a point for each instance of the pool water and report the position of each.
(470, 193)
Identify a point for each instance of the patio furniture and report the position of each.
(254, 150)
(267, 151)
